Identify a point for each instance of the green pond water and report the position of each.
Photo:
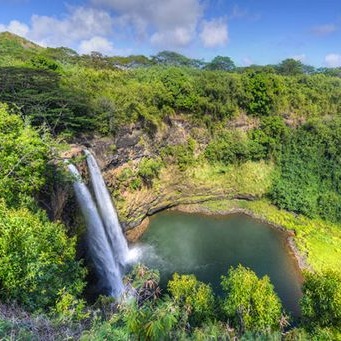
(207, 246)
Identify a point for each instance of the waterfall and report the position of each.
(108, 213)
(100, 239)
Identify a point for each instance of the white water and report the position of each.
(101, 249)
(117, 241)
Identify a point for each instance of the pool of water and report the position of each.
(207, 246)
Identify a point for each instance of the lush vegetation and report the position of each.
(24, 155)
(309, 164)
(35, 253)
(270, 132)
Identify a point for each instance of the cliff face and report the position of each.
(130, 145)
(173, 186)
(120, 157)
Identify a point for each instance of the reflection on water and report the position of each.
(208, 246)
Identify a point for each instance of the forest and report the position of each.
(290, 114)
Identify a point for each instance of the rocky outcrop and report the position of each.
(132, 143)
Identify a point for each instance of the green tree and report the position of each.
(250, 303)
(151, 321)
(321, 301)
(261, 93)
(23, 158)
(45, 97)
(269, 135)
(149, 169)
(194, 297)
(37, 259)
(309, 171)
(221, 63)
(229, 147)
(171, 58)
(291, 67)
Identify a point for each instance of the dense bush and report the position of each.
(232, 146)
(181, 154)
(37, 259)
(45, 99)
(193, 297)
(309, 181)
(149, 169)
(321, 301)
(251, 303)
(268, 137)
(23, 158)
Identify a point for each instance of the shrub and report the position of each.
(37, 259)
(193, 296)
(250, 303)
(321, 301)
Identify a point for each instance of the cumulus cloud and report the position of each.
(171, 22)
(100, 44)
(333, 60)
(15, 27)
(180, 36)
(324, 30)
(214, 32)
(79, 24)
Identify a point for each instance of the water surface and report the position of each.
(207, 246)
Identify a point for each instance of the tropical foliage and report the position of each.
(282, 121)
(251, 303)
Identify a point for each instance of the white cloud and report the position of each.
(171, 22)
(324, 30)
(178, 37)
(15, 27)
(99, 44)
(79, 24)
(166, 23)
(214, 32)
(333, 60)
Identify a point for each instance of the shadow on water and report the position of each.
(208, 246)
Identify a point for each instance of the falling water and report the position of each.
(108, 213)
(105, 261)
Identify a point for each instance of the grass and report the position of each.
(252, 178)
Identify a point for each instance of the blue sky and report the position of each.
(248, 31)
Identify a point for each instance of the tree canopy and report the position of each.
(250, 302)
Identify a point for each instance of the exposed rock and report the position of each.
(244, 122)
(74, 151)
(134, 235)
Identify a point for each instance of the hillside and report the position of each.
(15, 42)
